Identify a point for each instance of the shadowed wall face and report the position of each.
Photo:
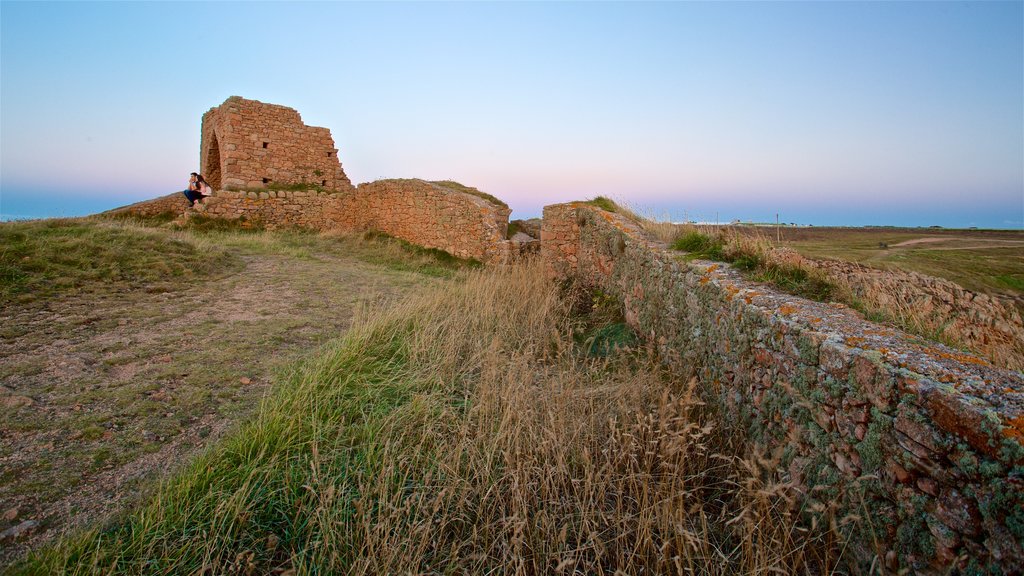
(249, 144)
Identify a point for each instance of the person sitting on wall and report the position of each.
(193, 192)
(204, 187)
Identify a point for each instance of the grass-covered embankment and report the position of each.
(42, 259)
(111, 380)
(465, 431)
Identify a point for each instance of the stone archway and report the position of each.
(211, 163)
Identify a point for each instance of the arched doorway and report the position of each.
(211, 163)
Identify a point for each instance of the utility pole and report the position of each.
(778, 233)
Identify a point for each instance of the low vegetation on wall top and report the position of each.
(453, 185)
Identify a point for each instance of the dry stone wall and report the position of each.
(922, 440)
(273, 209)
(250, 144)
(989, 324)
(430, 215)
(416, 211)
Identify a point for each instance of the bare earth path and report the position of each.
(101, 394)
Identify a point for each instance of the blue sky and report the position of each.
(908, 113)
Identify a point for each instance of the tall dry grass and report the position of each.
(466, 431)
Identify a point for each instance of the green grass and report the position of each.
(137, 356)
(700, 246)
(43, 259)
(755, 265)
(606, 204)
(255, 483)
(453, 185)
(982, 261)
(371, 247)
(513, 228)
(440, 437)
(413, 258)
(1013, 282)
(315, 437)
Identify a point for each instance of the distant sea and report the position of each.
(19, 205)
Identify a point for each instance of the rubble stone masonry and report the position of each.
(924, 442)
(249, 144)
(417, 211)
(991, 324)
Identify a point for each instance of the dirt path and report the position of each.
(972, 243)
(99, 395)
(916, 241)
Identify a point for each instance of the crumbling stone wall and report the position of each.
(249, 144)
(429, 215)
(416, 211)
(923, 441)
(988, 324)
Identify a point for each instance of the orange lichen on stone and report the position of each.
(788, 309)
(704, 280)
(854, 341)
(731, 292)
(712, 268)
(964, 358)
(1015, 429)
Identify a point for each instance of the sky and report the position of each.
(826, 113)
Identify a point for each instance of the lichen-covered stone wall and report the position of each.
(250, 144)
(922, 441)
(987, 323)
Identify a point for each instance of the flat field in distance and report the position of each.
(990, 261)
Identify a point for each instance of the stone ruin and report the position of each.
(268, 168)
(249, 144)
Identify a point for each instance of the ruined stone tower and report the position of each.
(249, 144)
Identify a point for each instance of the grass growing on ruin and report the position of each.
(440, 437)
(606, 204)
(453, 185)
(43, 259)
(758, 258)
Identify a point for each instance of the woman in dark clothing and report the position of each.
(193, 191)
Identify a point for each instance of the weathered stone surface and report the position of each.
(18, 530)
(990, 323)
(247, 143)
(931, 437)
